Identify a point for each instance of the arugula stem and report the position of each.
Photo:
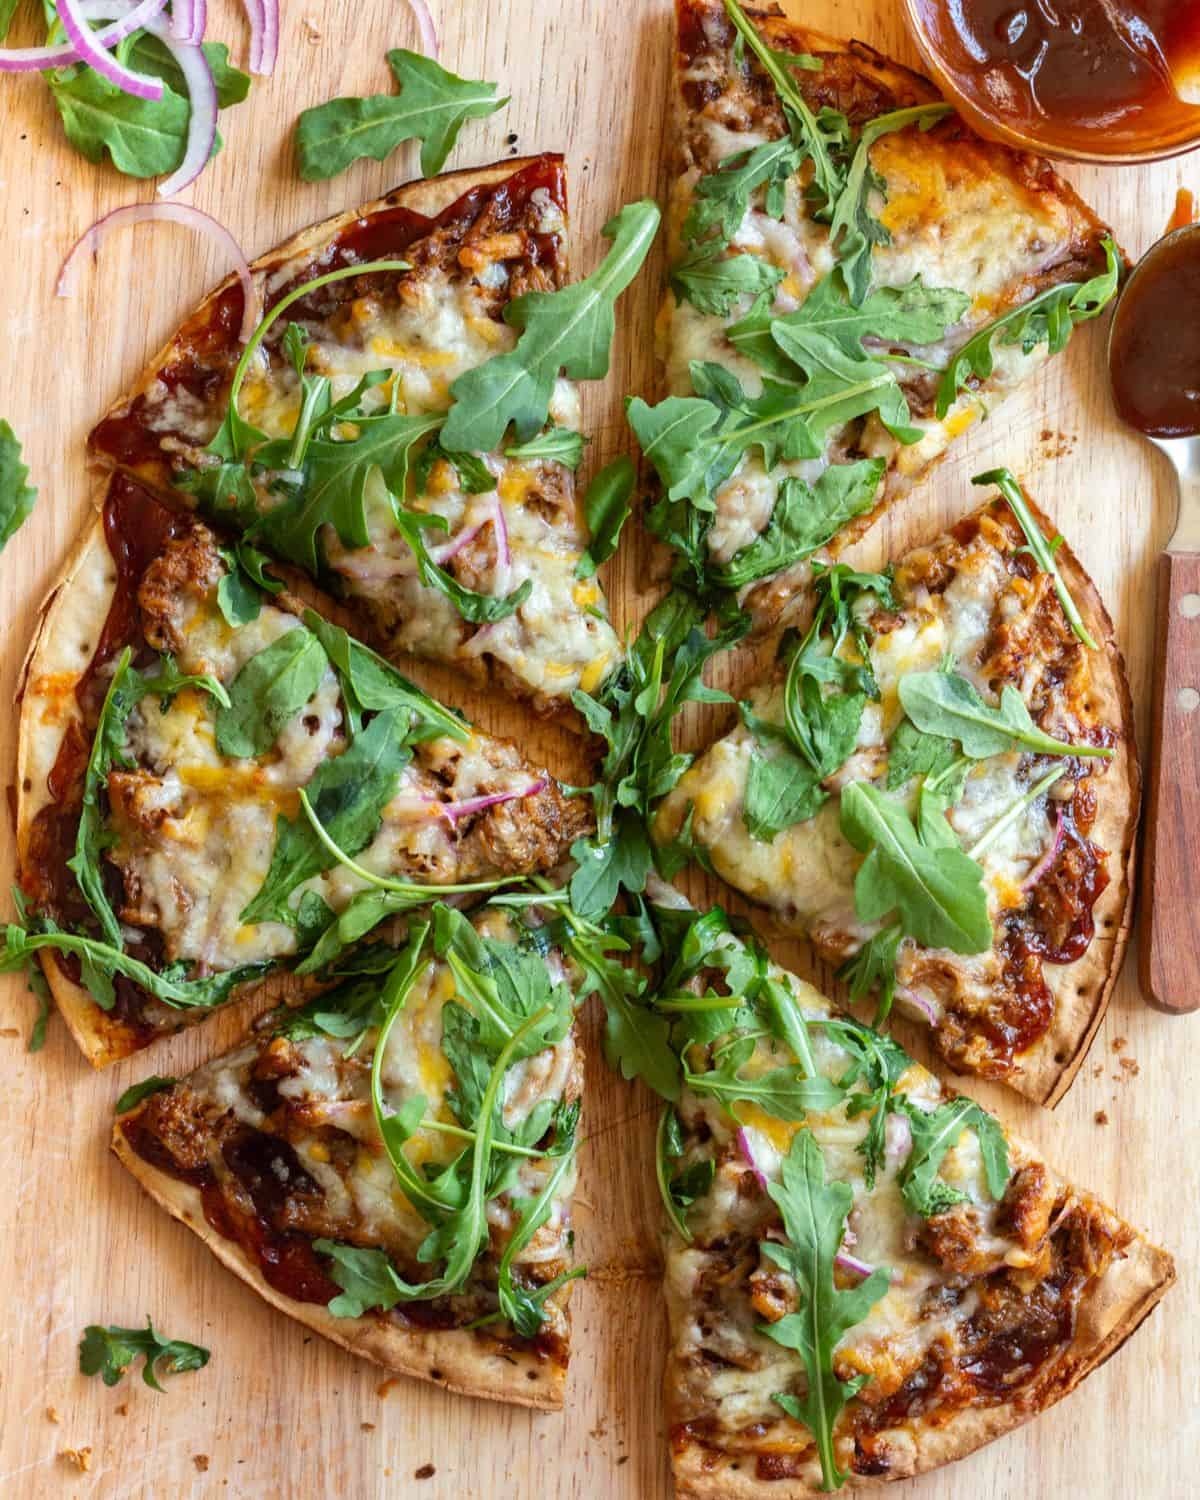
(660, 1173)
(469, 1135)
(1013, 813)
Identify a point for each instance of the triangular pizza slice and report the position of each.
(339, 437)
(938, 784)
(867, 1276)
(217, 783)
(392, 1164)
(855, 278)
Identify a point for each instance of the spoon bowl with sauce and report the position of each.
(1092, 80)
(1154, 367)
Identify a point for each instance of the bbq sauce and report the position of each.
(1108, 77)
(1154, 351)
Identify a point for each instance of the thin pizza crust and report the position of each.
(1114, 1309)
(459, 1360)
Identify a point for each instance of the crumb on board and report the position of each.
(9, 1031)
(80, 1457)
(1101, 1117)
(1097, 1070)
(1129, 1066)
(123, 1409)
(426, 1471)
(385, 1387)
(201, 1462)
(1119, 1043)
(624, 1459)
(367, 1426)
(52, 1414)
(312, 31)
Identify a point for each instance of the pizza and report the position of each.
(938, 784)
(392, 1163)
(867, 1276)
(326, 445)
(855, 278)
(217, 784)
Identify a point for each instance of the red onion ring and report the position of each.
(86, 43)
(175, 213)
(429, 40)
(455, 545)
(254, 14)
(918, 1002)
(452, 811)
(38, 59)
(270, 35)
(1050, 855)
(852, 1263)
(897, 1137)
(743, 1140)
(202, 123)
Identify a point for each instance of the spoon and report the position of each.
(1154, 368)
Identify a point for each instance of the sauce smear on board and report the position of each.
(1104, 76)
(1154, 354)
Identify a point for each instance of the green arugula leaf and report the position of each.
(692, 1183)
(814, 1221)
(7, 11)
(348, 795)
(852, 222)
(933, 1135)
(947, 704)
(873, 968)
(136, 1092)
(108, 1352)
(804, 518)
(841, 387)
(669, 1144)
(16, 497)
(607, 508)
(556, 444)
(432, 107)
(712, 281)
(722, 197)
(39, 988)
(471, 605)
(1041, 550)
(368, 1279)
(786, 1093)
(521, 1309)
(912, 752)
(938, 893)
(240, 591)
(781, 789)
(268, 693)
(1047, 318)
(570, 329)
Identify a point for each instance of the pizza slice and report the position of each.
(938, 784)
(216, 783)
(392, 1164)
(363, 432)
(855, 278)
(867, 1276)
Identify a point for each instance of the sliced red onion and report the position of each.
(175, 213)
(429, 41)
(897, 1137)
(447, 550)
(479, 641)
(182, 20)
(202, 123)
(501, 525)
(852, 1264)
(452, 811)
(254, 14)
(918, 1002)
(1050, 855)
(744, 1146)
(270, 35)
(37, 59)
(86, 43)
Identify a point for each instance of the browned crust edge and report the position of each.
(452, 1358)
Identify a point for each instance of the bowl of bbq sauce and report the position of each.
(1092, 80)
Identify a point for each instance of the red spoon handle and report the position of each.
(1170, 941)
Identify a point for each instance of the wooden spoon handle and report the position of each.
(1170, 946)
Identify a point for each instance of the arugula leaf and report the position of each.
(712, 281)
(947, 704)
(722, 197)
(781, 789)
(521, 1308)
(240, 591)
(873, 968)
(692, 1183)
(268, 692)
(804, 518)
(669, 1143)
(370, 683)
(143, 137)
(570, 329)
(841, 387)
(607, 508)
(368, 1279)
(938, 893)
(556, 444)
(16, 497)
(7, 11)
(348, 795)
(912, 752)
(1047, 318)
(933, 1135)
(1041, 550)
(787, 1093)
(476, 607)
(432, 107)
(814, 1221)
(108, 1352)
(136, 1092)
(852, 221)
(823, 727)
(39, 988)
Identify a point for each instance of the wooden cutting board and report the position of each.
(278, 1412)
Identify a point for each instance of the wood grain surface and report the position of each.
(277, 1412)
